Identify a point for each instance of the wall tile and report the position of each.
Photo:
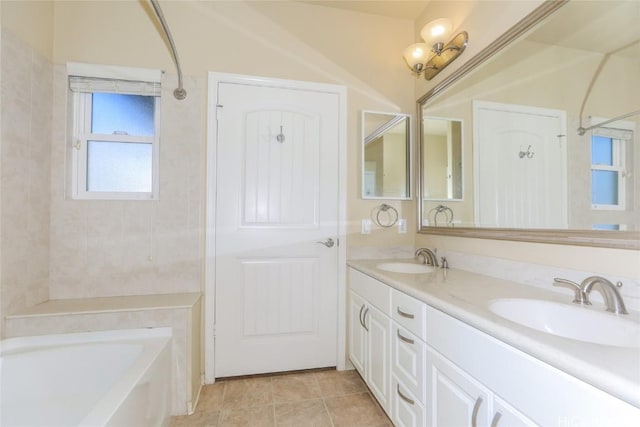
(107, 248)
(26, 102)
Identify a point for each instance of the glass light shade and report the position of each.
(437, 31)
(415, 54)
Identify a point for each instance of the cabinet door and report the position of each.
(378, 365)
(455, 398)
(357, 333)
(506, 415)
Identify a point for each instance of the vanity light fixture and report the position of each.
(438, 51)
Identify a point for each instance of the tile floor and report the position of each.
(325, 398)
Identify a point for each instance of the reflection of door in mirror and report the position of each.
(519, 165)
(386, 156)
(442, 158)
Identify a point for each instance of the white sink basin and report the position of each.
(405, 267)
(570, 321)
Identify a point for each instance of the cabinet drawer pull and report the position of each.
(496, 419)
(405, 339)
(474, 414)
(364, 319)
(403, 397)
(403, 314)
(360, 315)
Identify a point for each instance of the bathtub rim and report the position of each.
(155, 343)
(33, 342)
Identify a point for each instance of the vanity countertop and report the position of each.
(466, 296)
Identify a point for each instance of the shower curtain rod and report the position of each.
(179, 92)
(582, 130)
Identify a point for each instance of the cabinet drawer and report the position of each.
(406, 410)
(408, 359)
(374, 291)
(410, 313)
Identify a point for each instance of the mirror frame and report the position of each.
(409, 151)
(594, 238)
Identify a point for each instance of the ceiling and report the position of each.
(597, 26)
(391, 8)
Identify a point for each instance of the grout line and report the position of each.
(326, 408)
(224, 394)
(273, 402)
(324, 399)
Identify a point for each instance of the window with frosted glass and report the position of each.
(607, 172)
(119, 166)
(604, 187)
(601, 150)
(115, 145)
(124, 165)
(115, 113)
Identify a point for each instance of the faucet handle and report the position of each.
(444, 263)
(580, 297)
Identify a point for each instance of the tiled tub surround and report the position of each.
(131, 387)
(180, 312)
(104, 248)
(26, 97)
(465, 296)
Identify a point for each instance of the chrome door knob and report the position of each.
(328, 243)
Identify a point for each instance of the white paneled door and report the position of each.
(520, 166)
(276, 228)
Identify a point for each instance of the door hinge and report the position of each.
(214, 330)
(219, 108)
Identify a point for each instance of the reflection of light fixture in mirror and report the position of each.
(436, 53)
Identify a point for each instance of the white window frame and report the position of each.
(82, 102)
(619, 148)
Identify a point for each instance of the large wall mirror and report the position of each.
(386, 155)
(550, 131)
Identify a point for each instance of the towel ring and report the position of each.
(391, 219)
(448, 213)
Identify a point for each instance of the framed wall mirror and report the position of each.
(550, 131)
(386, 155)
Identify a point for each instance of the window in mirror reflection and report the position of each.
(386, 156)
(442, 158)
(607, 172)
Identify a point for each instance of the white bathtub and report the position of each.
(112, 378)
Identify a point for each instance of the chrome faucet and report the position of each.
(428, 256)
(612, 297)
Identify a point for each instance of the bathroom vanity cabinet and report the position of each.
(427, 368)
(386, 345)
(459, 398)
(370, 334)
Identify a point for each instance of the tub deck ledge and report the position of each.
(108, 304)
